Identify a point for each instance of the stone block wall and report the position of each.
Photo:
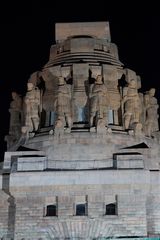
(153, 214)
(135, 195)
(4, 214)
(132, 212)
(130, 219)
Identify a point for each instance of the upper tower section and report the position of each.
(83, 42)
(83, 87)
(99, 30)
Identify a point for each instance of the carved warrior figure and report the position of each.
(15, 115)
(32, 108)
(99, 103)
(62, 105)
(151, 107)
(132, 106)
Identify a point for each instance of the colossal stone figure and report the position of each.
(63, 106)
(32, 108)
(15, 115)
(151, 107)
(132, 106)
(99, 103)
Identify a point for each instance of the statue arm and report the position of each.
(55, 104)
(124, 99)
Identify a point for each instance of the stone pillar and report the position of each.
(80, 92)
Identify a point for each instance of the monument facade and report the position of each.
(83, 155)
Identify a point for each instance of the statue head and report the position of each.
(99, 79)
(152, 92)
(30, 86)
(133, 83)
(14, 95)
(61, 80)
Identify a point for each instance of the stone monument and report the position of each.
(86, 163)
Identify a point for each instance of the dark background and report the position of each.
(27, 32)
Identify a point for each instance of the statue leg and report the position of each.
(105, 118)
(60, 121)
(127, 119)
(29, 123)
(35, 123)
(68, 120)
(149, 130)
(137, 117)
(92, 116)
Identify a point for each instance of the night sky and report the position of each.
(27, 33)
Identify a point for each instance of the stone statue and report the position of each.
(15, 115)
(32, 105)
(132, 107)
(99, 103)
(151, 107)
(62, 106)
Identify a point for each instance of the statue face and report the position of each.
(14, 95)
(133, 83)
(30, 86)
(99, 79)
(152, 92)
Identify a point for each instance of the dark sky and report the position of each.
(27, 33)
